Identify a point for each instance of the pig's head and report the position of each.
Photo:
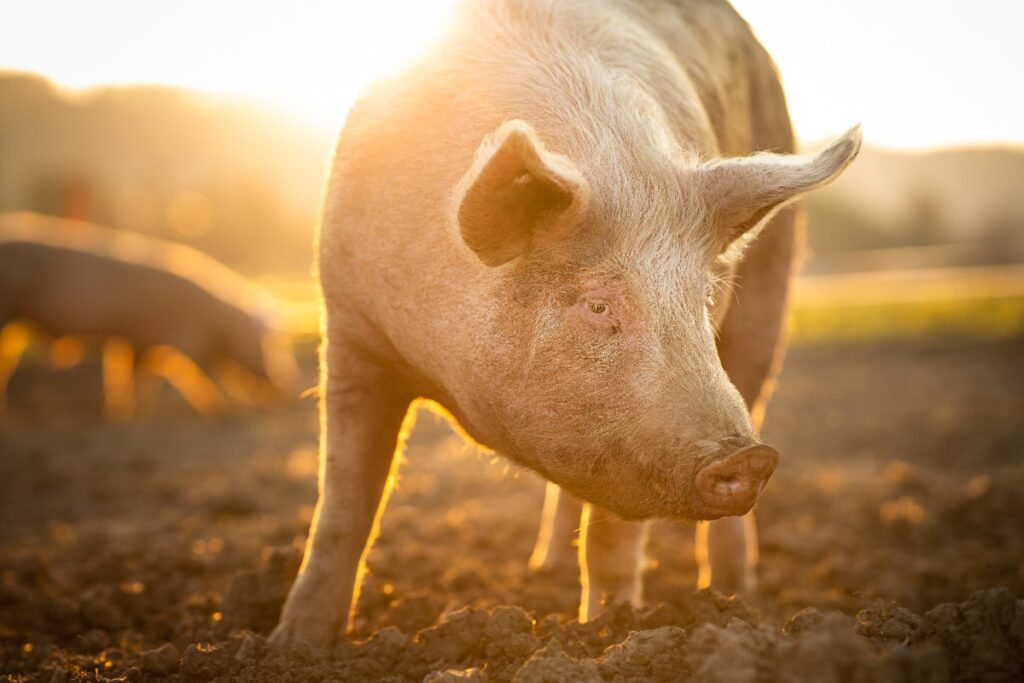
(251, 340)
(605, 375)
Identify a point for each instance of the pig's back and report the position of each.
(66, 291)
(733, 74)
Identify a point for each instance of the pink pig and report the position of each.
(541, 226)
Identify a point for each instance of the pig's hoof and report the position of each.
(319, 634)
(740, 581)
(598, 607)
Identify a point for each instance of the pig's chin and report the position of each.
(651, 507)
(636, 502)
(633, 510)
(634, 493)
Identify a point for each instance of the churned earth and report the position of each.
(892, 543)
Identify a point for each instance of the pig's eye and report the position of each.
(599, 309)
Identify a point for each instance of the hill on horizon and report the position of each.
(243, 183)
(238, 181)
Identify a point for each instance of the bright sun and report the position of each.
(309, 58)
(888, 64)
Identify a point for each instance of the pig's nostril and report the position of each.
(727, 485)
(731, 485)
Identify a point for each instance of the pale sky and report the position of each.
(917, 73)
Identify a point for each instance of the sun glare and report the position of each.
(308, 58)
(892, 66)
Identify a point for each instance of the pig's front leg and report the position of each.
(611, 561)
(361, 421)
(559, 524)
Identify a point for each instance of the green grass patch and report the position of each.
(988, 317)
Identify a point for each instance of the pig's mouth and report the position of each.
(722, 486)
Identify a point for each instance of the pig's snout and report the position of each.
(730, 485)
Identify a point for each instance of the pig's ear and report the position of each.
(515, 194)
(739, 193)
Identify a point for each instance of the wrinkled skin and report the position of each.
(530, 228)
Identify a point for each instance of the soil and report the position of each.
(892, 539)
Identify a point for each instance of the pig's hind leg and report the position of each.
(14, 339)
(120, 398)
(361, 419)
(750, 345)
(559, 526)
(611, 561)
(611, 550)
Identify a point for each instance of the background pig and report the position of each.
(537, 227)
(149, 293)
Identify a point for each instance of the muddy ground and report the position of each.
(892, 540)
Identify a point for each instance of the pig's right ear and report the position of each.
(739, 193)
(515, 194)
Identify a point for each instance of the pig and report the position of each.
(71, 278)
(546, 225)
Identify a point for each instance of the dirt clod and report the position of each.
(473, 675)
(205, 661)
(655, 655)
(161, 661)
(551, 664)
(804, 620)
(982, 637)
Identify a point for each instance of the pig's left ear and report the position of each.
(739, 193)
(515, 194)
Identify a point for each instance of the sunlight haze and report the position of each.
(917, 74)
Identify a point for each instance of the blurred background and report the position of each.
(189, 124)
